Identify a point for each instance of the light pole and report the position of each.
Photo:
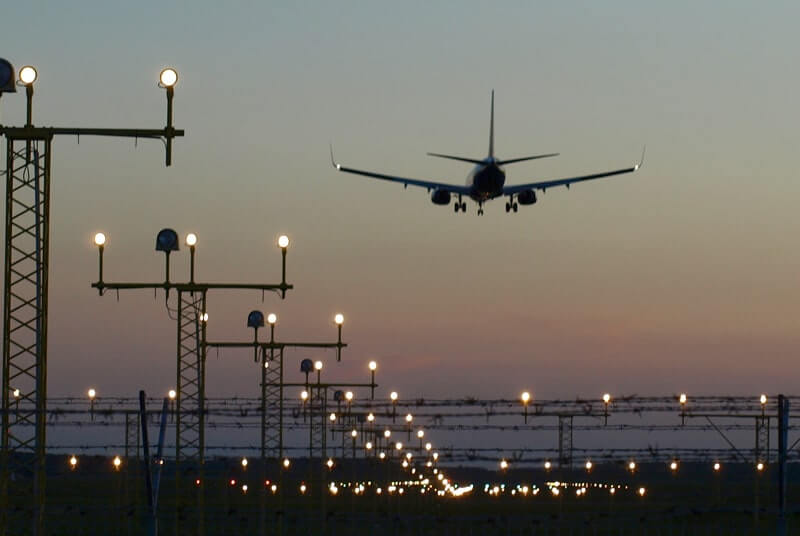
(606, 402)
(373, 366)
(682, 400)
(525, 397)
(25, 303)
(393, 398)
(386, 435)
(348, 396)
(91, 394)
(306, 366)
(339, 320)
(172, 394)
(255, 320)
(370, 424)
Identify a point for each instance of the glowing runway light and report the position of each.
(28, 75)
(168, 77)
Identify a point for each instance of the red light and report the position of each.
(266, 483)
(233, 482)
(197, 482)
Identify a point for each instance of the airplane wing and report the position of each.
(544, 185)
(405, 181)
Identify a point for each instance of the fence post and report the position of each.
(783, 437)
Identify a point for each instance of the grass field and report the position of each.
(96, 499)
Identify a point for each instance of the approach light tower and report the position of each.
(27, 227)
(192, 318)
(269, 355)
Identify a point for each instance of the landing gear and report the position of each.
(480, 209)
(511, 205)
(460, 205)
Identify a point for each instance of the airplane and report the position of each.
(487, 179)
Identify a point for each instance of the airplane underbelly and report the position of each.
(487, 186)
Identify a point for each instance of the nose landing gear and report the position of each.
(480, 209)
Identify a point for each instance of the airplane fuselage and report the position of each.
(486, 180)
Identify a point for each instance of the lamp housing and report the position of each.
(255, 319)
(7, 77)
(28, 75)
(167, 241)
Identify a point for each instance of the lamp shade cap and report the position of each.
(167, 240)
(7, 77)
(255, 319)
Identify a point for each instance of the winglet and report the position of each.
(637, 166)
(333, 162)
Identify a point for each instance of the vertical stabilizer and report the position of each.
(491, 129)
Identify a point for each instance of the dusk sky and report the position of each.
(681, 277)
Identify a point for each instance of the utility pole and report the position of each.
(25, 288)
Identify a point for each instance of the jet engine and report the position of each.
(526, 197)
(440, 197)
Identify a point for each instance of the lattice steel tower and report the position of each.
(27, 231)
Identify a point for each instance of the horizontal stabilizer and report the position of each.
(460, 158)
(524, 158)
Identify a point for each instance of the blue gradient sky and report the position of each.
(682, 277)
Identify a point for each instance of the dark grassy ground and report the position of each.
(95, 499)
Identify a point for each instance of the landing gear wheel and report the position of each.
(464, 206)
(456, 207)
(515, 207)
(508, 207)
(480, 212)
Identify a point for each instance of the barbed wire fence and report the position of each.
(659, 428)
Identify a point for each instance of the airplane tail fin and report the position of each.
(491, 129)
